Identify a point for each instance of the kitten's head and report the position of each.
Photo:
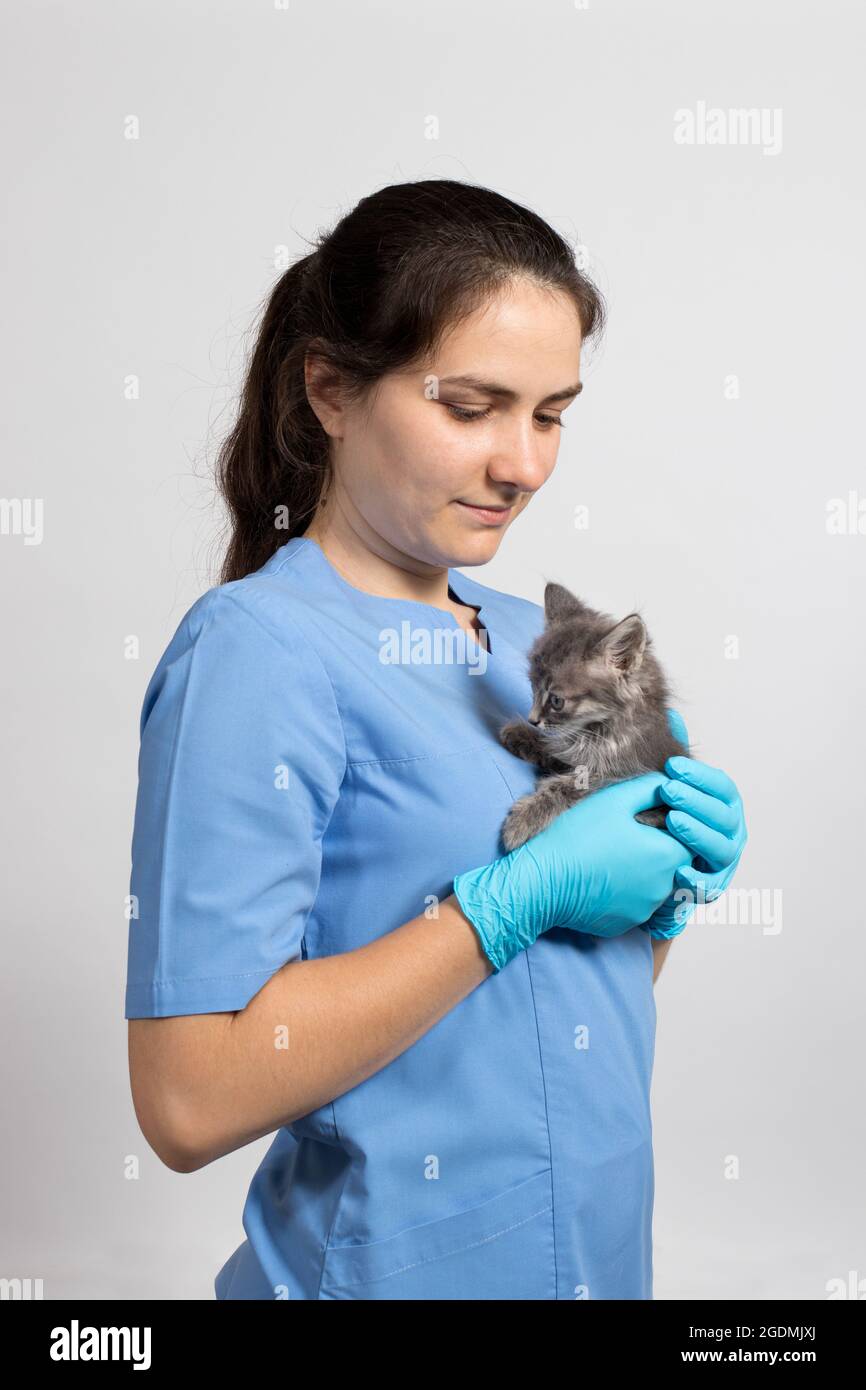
(589, 671)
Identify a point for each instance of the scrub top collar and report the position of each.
(467, 586)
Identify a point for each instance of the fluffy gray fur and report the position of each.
(599, 713)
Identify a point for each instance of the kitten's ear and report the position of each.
(623, 647)
(560, 602)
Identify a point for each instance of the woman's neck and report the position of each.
(388, 575)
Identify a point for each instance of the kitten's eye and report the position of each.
(555, 701)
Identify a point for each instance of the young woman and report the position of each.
(454, 1046)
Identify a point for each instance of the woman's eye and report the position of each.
(463, 414)
(460, 412)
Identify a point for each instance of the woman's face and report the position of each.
(412, 460)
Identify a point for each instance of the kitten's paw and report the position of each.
(522, 822)
(509, 732)
(518, 737)
(514, 832)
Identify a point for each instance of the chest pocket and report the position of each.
(400, 832)
(428, 709)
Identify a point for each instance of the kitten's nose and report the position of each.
(534, 722)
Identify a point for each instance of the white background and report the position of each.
(151, 257)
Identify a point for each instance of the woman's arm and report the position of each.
(661, 946)
(206, 1084)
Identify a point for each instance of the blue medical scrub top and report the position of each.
(317, 763)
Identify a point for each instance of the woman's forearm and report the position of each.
(315, 1030)
(661, 946)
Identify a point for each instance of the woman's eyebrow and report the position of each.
(492, 388)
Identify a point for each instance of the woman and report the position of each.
(453, 1046)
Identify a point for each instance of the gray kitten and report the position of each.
(599, 713)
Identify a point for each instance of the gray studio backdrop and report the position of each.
(161, 161)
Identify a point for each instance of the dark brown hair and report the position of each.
(378, 292)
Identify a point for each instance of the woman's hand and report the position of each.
(707, 817)
(594, 869)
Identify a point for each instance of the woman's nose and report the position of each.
(522, 457)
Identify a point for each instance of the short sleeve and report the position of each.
(241, 761)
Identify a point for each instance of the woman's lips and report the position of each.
(491, 516)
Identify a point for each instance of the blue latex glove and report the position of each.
(707, 815)
(594, 869)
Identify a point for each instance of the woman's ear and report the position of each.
(322, 386)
